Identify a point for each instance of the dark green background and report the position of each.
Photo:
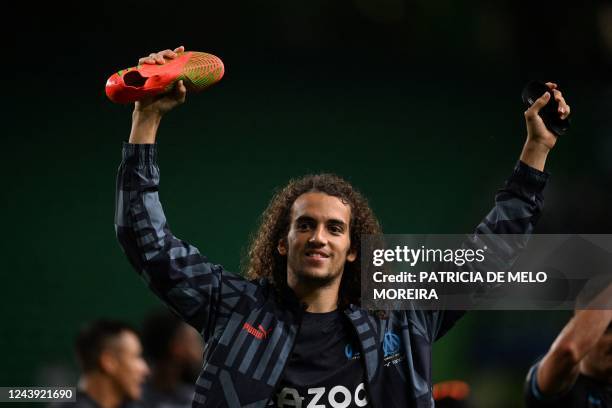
(416, 103)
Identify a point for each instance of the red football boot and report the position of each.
(198, 70)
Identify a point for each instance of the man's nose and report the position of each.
(318, 236)
(146, 371)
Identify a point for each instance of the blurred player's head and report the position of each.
(598, 362)
(167, 340)
(109, 352)
(311, 233)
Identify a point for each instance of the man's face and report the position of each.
(124, 363)
(599, 360)
(318, 243)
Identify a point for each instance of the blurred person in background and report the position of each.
(113, 370)
(577, 370)
(174, 352)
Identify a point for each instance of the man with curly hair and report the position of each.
(293, 333)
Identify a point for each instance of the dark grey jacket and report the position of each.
(250, 332)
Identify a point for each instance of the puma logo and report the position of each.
(259, 333)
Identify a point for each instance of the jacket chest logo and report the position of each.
(392, 350)
(391, 344)
(259, 333)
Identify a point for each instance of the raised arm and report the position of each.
(174, 270)
(518, 205)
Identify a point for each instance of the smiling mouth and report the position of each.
(316, 255)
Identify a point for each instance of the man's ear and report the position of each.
(352, 255)
(282, 247)
(107, 362)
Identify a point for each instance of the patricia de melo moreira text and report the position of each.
(458, 257)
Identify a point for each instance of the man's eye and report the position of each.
(336, 229)
(303, 226)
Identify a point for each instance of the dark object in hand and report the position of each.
(549, 113)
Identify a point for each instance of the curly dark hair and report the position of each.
(263, 259)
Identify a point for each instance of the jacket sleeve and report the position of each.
(174, 270)
(518, 206)
(534, 398)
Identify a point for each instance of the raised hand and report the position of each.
(540, 140)
(161, 104)
(536, 129)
